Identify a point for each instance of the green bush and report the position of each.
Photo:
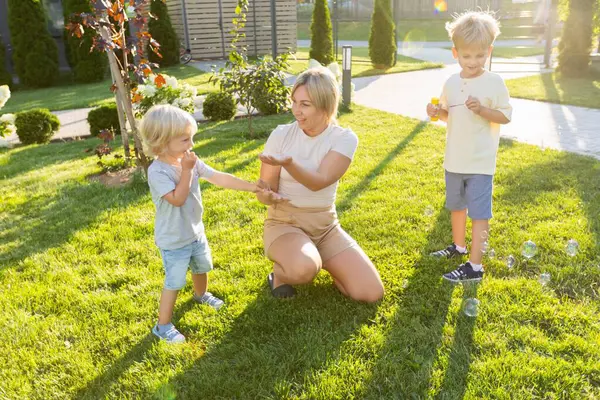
(219, 106)
(576, 41)
(36, 126)
(382, 40)
(104, 117)
(270, 95)
(162, 31)
(88, 66)
(5, 76)
(321, 42)
(35, 53)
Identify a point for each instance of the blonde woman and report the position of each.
(302, 163)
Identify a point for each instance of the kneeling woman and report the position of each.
(303, 163)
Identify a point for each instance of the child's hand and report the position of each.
(473, 104)
(189, 159)
(432, 110)
(261, 186)
(278, 160)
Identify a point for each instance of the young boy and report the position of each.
(167, 134)
(474, 103)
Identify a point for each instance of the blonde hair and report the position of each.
(322, 88)
(163, 123)
(479, 28)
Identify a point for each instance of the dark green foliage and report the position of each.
(103, 117)
(36, 126)
(576, 42)
(382, 41)
(35, 53)
(321, 43)
(162, 31)
(88, 65)
(5, 77)
(219, 106)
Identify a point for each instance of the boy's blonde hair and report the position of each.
(473, 28)
(163, 123)
(322, 89)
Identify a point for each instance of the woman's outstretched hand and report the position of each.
(279, 160)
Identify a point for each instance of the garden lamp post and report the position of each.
(346, 75)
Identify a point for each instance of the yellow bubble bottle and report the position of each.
(436, 102)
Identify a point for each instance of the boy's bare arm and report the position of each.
(491, 115)
(178, 196)
(229, 181)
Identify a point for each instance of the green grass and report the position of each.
(584, 91)
(425, 30)
(80, 279)
(520, 51)
(68, 95)
(361, 63)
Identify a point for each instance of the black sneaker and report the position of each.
(464, 273)
(448, 252)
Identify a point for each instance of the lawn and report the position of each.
(425, 30)
(361, 63)
(80, 279)
(68, 95)
(583, 91)
(519, 51)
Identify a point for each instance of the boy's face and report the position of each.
(472, 59)
(180, 144)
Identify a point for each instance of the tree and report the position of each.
(108, 24)
(5, 76)
(575, 44)
(321, 42)
(35, 53)
(382, 40)
(162, 31)
(87, 65)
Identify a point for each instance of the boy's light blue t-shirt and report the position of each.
(175, 227)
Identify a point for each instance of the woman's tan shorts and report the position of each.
(320, 225)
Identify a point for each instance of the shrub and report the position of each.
(35, 53)
(576, 41)
(103, 117)
(382, 41)
(5, 76)
(219, 106)
(36, 126)
(162, 31)
(321, 40)
(270, 95)
(88, 66)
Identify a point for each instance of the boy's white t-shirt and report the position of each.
(472, 141)
(309, 152)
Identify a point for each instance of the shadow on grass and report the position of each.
(41, 223)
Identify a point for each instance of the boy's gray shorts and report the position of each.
(470, 191)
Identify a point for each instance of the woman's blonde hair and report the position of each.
(473, 28)
(163, 123)
(323, 90)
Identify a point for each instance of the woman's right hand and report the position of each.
(432, 111)
(269, 197)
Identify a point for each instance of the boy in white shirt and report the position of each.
(474, 103)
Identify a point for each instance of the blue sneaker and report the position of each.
(208, 298)
(464, 273)
(170, 334)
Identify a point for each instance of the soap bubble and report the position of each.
(471, 308)
(491, 253)
(544, 278)
(440, 6)
(484, 247)
(511, 261)
(529, 249)
(413, 42)
(572, 247)
(485, 235)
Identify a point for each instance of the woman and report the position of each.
(302, 163)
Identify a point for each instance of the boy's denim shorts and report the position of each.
(470, 191)
(196, 255)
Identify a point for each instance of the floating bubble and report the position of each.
(572, 247)
(544, 278)
(471, 308)
(491, 253)
(428, 211)
(529, 249)
(484, 247)
(440, 6)
(413, 42)
(511, 261)
(485, 235)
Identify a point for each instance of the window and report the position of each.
(54, 13)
